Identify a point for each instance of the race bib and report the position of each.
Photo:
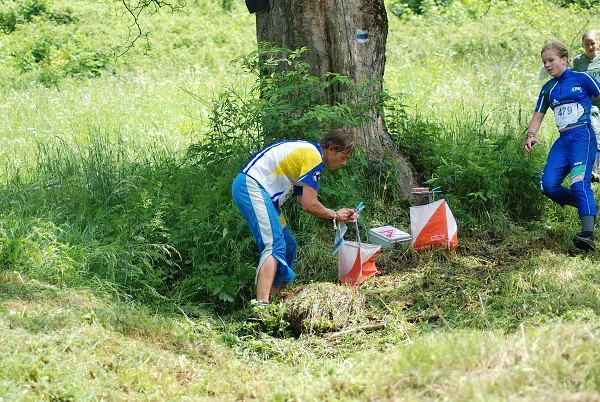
(285, 195)
(566, 114)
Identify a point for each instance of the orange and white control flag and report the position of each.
(433, 225)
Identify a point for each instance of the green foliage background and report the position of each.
(121, 162)
(125, 266)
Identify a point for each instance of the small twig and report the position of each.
(482, 305)
(419, 318)
(369, 327)
(525, 354)
(185, 316)
(442, 317)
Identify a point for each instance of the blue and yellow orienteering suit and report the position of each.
(262, 186)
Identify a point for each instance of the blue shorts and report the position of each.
(268, 226)
(572, 154)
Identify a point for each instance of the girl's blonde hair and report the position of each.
(560, 49)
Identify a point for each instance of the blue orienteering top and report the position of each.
(570, 97)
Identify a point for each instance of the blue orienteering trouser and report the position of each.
(268, 226)
(573, 154)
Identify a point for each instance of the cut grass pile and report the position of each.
(323, 307)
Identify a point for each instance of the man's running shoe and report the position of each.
(260, 312)
(584, 243)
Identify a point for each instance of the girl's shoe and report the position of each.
(584, 243)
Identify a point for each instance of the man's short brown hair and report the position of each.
(340, 139)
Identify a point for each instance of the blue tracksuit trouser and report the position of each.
(572, 154)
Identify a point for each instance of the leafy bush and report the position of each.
(227, 5)
(285, 102)
(401, 8)
(31, 8)
(52, 53)
(13, 13)
(8, 18)
(44, 43)
(160, 226)
(484, 171)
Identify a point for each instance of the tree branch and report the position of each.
(369, 327)
(135, 8)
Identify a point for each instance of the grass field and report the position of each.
(112, 244)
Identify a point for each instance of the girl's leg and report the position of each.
(556, 169)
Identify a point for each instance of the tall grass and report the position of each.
(143, 224)
(444, 63)
(145, 97)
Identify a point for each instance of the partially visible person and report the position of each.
(569, 94)
(280, 170)
(589, 62)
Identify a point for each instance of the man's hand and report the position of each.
(346, 214)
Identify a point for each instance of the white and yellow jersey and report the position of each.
(282, 167)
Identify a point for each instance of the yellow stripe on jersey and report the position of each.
(298, 163)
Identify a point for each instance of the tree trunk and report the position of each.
(347, 37)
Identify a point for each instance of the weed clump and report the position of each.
(323, 307)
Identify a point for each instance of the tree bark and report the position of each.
(347, 37)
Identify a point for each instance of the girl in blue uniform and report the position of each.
(569, 94)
